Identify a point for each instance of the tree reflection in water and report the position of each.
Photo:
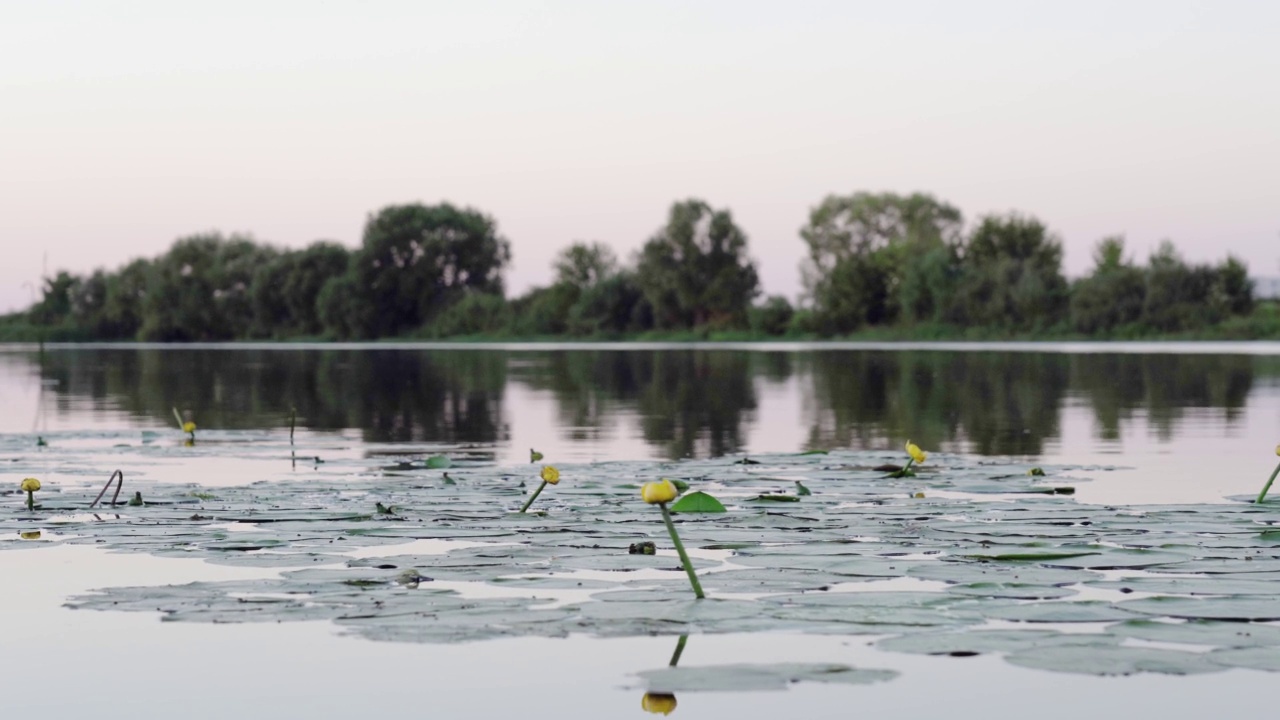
(685, 402)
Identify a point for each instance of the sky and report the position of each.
(126, 125)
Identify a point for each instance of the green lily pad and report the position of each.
(697, 502)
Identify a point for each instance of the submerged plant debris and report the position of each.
(385, 544)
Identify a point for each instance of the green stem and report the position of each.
(31, 501)
(1267, 487)
(293, 420)
(684, 556)
(178, 417)
(675, 656)
(534, 496)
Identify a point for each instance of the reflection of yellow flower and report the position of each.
(550, 475)
(30, 485)
(30, 535)
(658, 492)
(188, 427)
(658, 703)
(915, 452)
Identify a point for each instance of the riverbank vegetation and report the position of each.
(875, 266)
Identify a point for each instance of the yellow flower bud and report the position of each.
(659, 492)
(915, 452)
(658, 703)
(1278, 449)
(188, 427)
(30, 485)
(550, 475)
(29, 535)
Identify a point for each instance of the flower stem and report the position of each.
(534, 496)
(1262, 495)
(675, 656)
(684, 556)
(31, 501)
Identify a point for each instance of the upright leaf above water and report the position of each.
(698, 502)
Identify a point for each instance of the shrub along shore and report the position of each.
(876, 267)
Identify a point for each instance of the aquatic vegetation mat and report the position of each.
(426, 544)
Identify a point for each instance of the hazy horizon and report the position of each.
(130, 124)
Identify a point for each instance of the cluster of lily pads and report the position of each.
(958, 556)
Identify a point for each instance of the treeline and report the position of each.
(436, 271)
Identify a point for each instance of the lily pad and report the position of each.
(697, 502)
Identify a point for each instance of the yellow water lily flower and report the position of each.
(188, 427)
(30, 485)
(658, 703)
(663, 491)
(550, 475)
(915, 452)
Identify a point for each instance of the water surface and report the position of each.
(1191, 421)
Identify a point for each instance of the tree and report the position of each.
(583, 265)
(773, 316)
(199, 290)
(1112, 295)
(416, 260)
(55, 303)
(875, 257)
(286, 290)
(611, 307)
(1011, 275)
(694, 271)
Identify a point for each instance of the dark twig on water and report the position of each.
(118, 476)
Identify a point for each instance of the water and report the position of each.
(1190, 422)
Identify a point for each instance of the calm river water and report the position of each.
(1186, 422)
(1183, 422)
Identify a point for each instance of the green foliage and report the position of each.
(585, 265)
(772, 317)
(883, 266)
(477, 313)
(1111, 297)
(286, 291)
(695, 271)
(199, 290)
(544, 311)
(612, 307)
(876, 257)
(417, 260)
(1011, 275)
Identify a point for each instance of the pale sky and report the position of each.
(124, 125)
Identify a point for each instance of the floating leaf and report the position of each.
(697, 502)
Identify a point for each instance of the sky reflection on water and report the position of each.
(1194, 421)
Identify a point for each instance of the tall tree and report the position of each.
(695, 270)
(1112, 295)
(583, 265)
(874, 257)
(1011, 276)
(199, 290)
(286, 290)
(416, 260)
